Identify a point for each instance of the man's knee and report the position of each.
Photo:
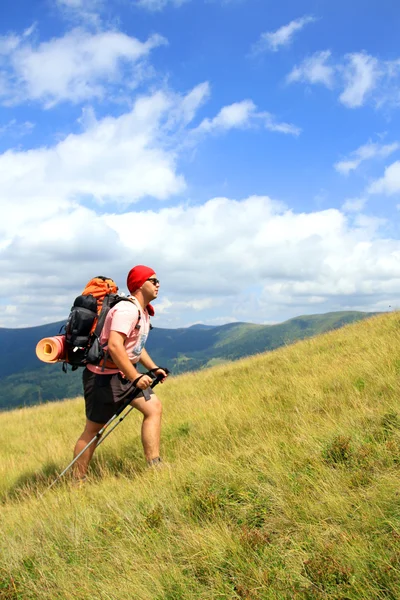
(148, 408)
(91, 428)
(155, 406)
(152, 408)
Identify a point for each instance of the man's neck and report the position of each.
(139, 298)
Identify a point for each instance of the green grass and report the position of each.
(282, 482)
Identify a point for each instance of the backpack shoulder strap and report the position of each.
(107, 362)
(108, 302)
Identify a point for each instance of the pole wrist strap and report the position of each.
(137, 379)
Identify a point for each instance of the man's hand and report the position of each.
(160, 371)
(144, 382)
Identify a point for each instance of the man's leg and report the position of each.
(151, 426)
(81, 465)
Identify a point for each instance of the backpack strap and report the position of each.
(136, 303)
(107, 363)
(108, 302)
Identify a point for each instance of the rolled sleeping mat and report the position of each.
(51, 349)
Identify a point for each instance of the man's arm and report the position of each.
(146, 361)
(150, 365)
(121, 359)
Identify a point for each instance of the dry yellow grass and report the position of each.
(282, 482)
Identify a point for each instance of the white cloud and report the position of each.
(118, 160)
(76, 3)
(354, 205)
(8, 43)
(274, 40)
(211, 259)
(314, 69)
(235, 115)
(188, 106)
(114, 158)
(15, 129)
(361, 74)
(87, 11)
(361, 77)
(242, 115)
(387, 94)
(156, 5)
(271, 124)
(75, 67)
(389, 184)
(263, 243)
(365, 152)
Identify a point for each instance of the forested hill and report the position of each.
(25, 380)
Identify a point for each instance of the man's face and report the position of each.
(150, 287)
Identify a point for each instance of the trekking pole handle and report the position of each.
(156, 380)
(152, 375)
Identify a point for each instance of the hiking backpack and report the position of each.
(86, 321)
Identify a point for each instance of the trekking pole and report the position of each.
(102, 430)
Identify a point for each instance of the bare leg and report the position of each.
(151, 426)
(81, 465)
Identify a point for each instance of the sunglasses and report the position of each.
(153, 280)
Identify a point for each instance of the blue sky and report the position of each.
(248, 152)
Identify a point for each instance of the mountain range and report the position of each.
(26, 381)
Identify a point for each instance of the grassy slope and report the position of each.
(282, 483)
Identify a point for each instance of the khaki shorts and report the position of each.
(105, 394)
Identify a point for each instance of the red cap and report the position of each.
(136, 278)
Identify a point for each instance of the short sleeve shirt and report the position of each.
(124, 317)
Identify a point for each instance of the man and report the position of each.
(107, 387)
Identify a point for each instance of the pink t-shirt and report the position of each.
(123, 318)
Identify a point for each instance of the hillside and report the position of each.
(281, 482)
(26, 381)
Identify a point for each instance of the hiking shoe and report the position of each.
(156, 463)
(79, 482)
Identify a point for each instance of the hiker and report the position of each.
(108, 385)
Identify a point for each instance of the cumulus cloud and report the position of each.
(314, 69)
(244, 115)
(76, 67)
(366, 152)
(274, 40)
(290, 260)
(52, 195)
(389, 184)
(119, 158)
(114, 159)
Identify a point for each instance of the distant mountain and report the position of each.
(25, 380)
(17, 347)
